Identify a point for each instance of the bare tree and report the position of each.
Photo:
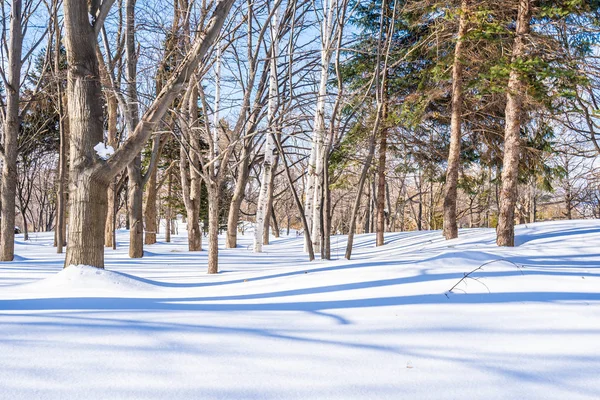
(89, 174)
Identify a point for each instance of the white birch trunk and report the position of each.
(315, 166)
(267, 172)
(216, 116)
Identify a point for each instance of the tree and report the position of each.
(20, 16)
(89, 174)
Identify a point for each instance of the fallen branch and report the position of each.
(468, 274)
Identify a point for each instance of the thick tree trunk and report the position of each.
(450, 225)
(87, 191)
(86, 221)
(512, 148)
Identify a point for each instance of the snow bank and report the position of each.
(87, 277)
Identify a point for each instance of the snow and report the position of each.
(274, 326)
(104, 151)
(80, 278)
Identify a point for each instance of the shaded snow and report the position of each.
(274, 326)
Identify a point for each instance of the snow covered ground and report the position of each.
(273, 326)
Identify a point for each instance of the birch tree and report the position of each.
(269, 155)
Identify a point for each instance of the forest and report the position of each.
(334, 182)
(341, 117)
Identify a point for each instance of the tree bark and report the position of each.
(261, 228)
(274, 222)
(8, 186)
(135, 199)
(88, 196)
(61, 197)
(512, 148)
(150, 212)
(238, 195)
(327, 213)
(168, 216)
(450, 228)
(190, 178)
(301, 211)
(361, 184)
(213, 228)
(134, 169)
(380, 203)
(269, 208)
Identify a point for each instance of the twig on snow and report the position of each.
(468, 274)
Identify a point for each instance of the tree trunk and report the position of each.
(450, 225)
(191, 198)
(25, 226)
(380, 202)
(265, 198)
(367, 221)
(150, 211)
(135, 199)
(213, 229)
(168, 216)
(269, 216)
(190, 178)
(301, 211)
(87, 190)
(86, 220)
(327, 214)
(512, 148)
(262, 205)
(134, 169)
(361, 184)
(274, 223)
(8, 186)
(109, 228)
(238, 196)
(61, 197)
